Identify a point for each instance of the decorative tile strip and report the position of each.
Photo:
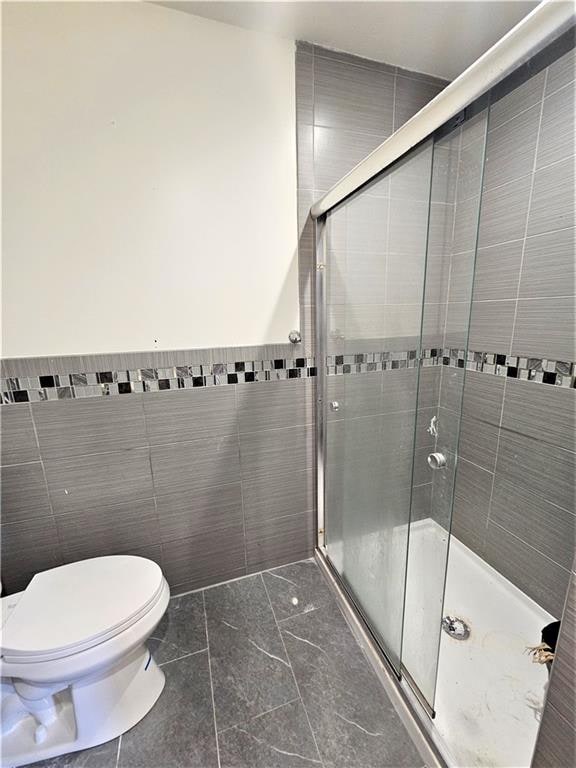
(106, 383)
(540, 370)
(367, 362)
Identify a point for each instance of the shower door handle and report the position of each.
(334, 405)
(436, 460)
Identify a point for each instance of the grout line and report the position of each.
(496, 452)
(48, 495)
(293, 673)
(528, 210)
(185, 656)
(210, 675)
(449, 276)
(520, 298)
(236, 413)
(118, 751)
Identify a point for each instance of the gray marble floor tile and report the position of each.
(178, 732)
(103, 756)
(277, 739)
(296, 588)
(250, 671)
(354, 722)
(181, 631)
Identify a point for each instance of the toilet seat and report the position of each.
(75, 607)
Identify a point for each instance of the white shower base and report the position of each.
(489, 694)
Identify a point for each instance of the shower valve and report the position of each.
(436, 460)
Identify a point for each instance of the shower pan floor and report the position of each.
(489, 694)
(261, 672)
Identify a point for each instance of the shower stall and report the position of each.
(396, 281)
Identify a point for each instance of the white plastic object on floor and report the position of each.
(75, 668)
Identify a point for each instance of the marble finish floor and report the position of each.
(262, 672)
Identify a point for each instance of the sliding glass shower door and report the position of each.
(375, 275)
(399, 264)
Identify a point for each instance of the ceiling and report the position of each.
(440, 38)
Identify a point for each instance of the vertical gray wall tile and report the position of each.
(557, 129)
(471, 505)
(205, 558)
(503, 213)
(411, 96)
(545, 527)
(546, 471)
(18, 440)
(109, 529)
(510, 148)
(184, 415)
(548, 265)
(195, 465)
(277, 494)
(561, 72)
(185, 514)
(552, 204)
(24, 493)
(289, 449)
(352, 98)
(497, 271)
(518, 100)
(94, 425)
(545, 328)
(491, 324)
(104, 478)
(275, 404)
(536, 575)
(337, 151)
(304, 87)
(28, 547)
(544, 414)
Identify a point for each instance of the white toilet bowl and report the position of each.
(74, 667)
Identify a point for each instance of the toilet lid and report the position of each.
(73, 607)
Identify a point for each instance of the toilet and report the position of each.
(75, 670)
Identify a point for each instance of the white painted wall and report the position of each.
(149, 181)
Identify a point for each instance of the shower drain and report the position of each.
(455, 627)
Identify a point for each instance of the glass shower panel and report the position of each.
(375, 267)
(454, 213)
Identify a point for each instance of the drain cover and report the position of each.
(455, 627)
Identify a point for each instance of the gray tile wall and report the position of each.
(514, 501)
(211, 484)
(346, 107)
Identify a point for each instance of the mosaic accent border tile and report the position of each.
(106, 383)
(540, 370)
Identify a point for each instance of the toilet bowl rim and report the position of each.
(101, 639)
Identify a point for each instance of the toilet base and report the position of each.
(89, 712)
